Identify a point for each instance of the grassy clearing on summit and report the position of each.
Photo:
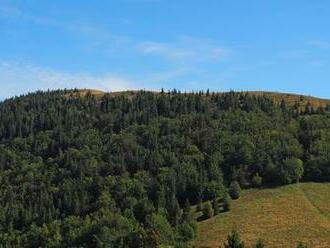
(289, 99)
(280, 216)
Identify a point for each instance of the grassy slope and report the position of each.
(280, 216)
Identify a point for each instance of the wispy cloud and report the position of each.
(184, 48)
(75, 27)
(18, 79)
(321, 44)
(294, 54)
(165, 50)
(174, 60)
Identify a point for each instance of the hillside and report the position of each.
(280, 216)
(88, 169)
(290, 99)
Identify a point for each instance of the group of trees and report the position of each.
(234, 241)
(121, 170)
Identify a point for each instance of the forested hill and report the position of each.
(121, 170)
(293, 100)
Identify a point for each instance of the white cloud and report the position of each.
(18, 79)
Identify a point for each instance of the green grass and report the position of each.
(280, 216)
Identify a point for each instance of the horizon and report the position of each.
(152, 44)
(167, 91)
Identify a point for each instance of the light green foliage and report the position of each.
(295, 168)
(208, 211)
(161, 228)
(234, 241)
(226, 202)
(257, 180)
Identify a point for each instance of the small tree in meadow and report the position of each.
(234, 241)
(259, 244)
(208, 211)
(234, 190)
(301, 245)
(226, 202)
(215, 206)
(187, 214)
(257, 180)
(295, 168)
(199, 206)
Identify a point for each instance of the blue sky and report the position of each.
(273, 45)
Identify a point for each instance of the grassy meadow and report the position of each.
(279, 216)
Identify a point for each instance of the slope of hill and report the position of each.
(281, 217)
(290, 99)
(89, 169)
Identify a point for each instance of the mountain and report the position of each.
(83, 168)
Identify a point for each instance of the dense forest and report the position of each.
(119, 171)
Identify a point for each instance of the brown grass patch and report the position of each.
(281, 217)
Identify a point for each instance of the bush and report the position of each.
(159, 226)
(257, 181)
(301, 245)
(234, 190)
(234, 241)
(215, 206)
(208, 211)
(186, 232)
(226, 203)
(259, 244)
(186, 213)
(199, 206)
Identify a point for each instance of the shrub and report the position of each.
(234, 241)
(199, 206)
(257, 181)
(186, 232)
(301, 245)
(215, 206)
(234, 190)
(226, 203)
(259, 244)
(208, 211)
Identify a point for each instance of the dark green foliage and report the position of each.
(199, 206)
(117, 170)
(301, 245)
(187, 215)
(234, 241)
(208, 211)
(234, 190)
(186, 232)
(259, 244)
(160, 229)
(215, 206)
